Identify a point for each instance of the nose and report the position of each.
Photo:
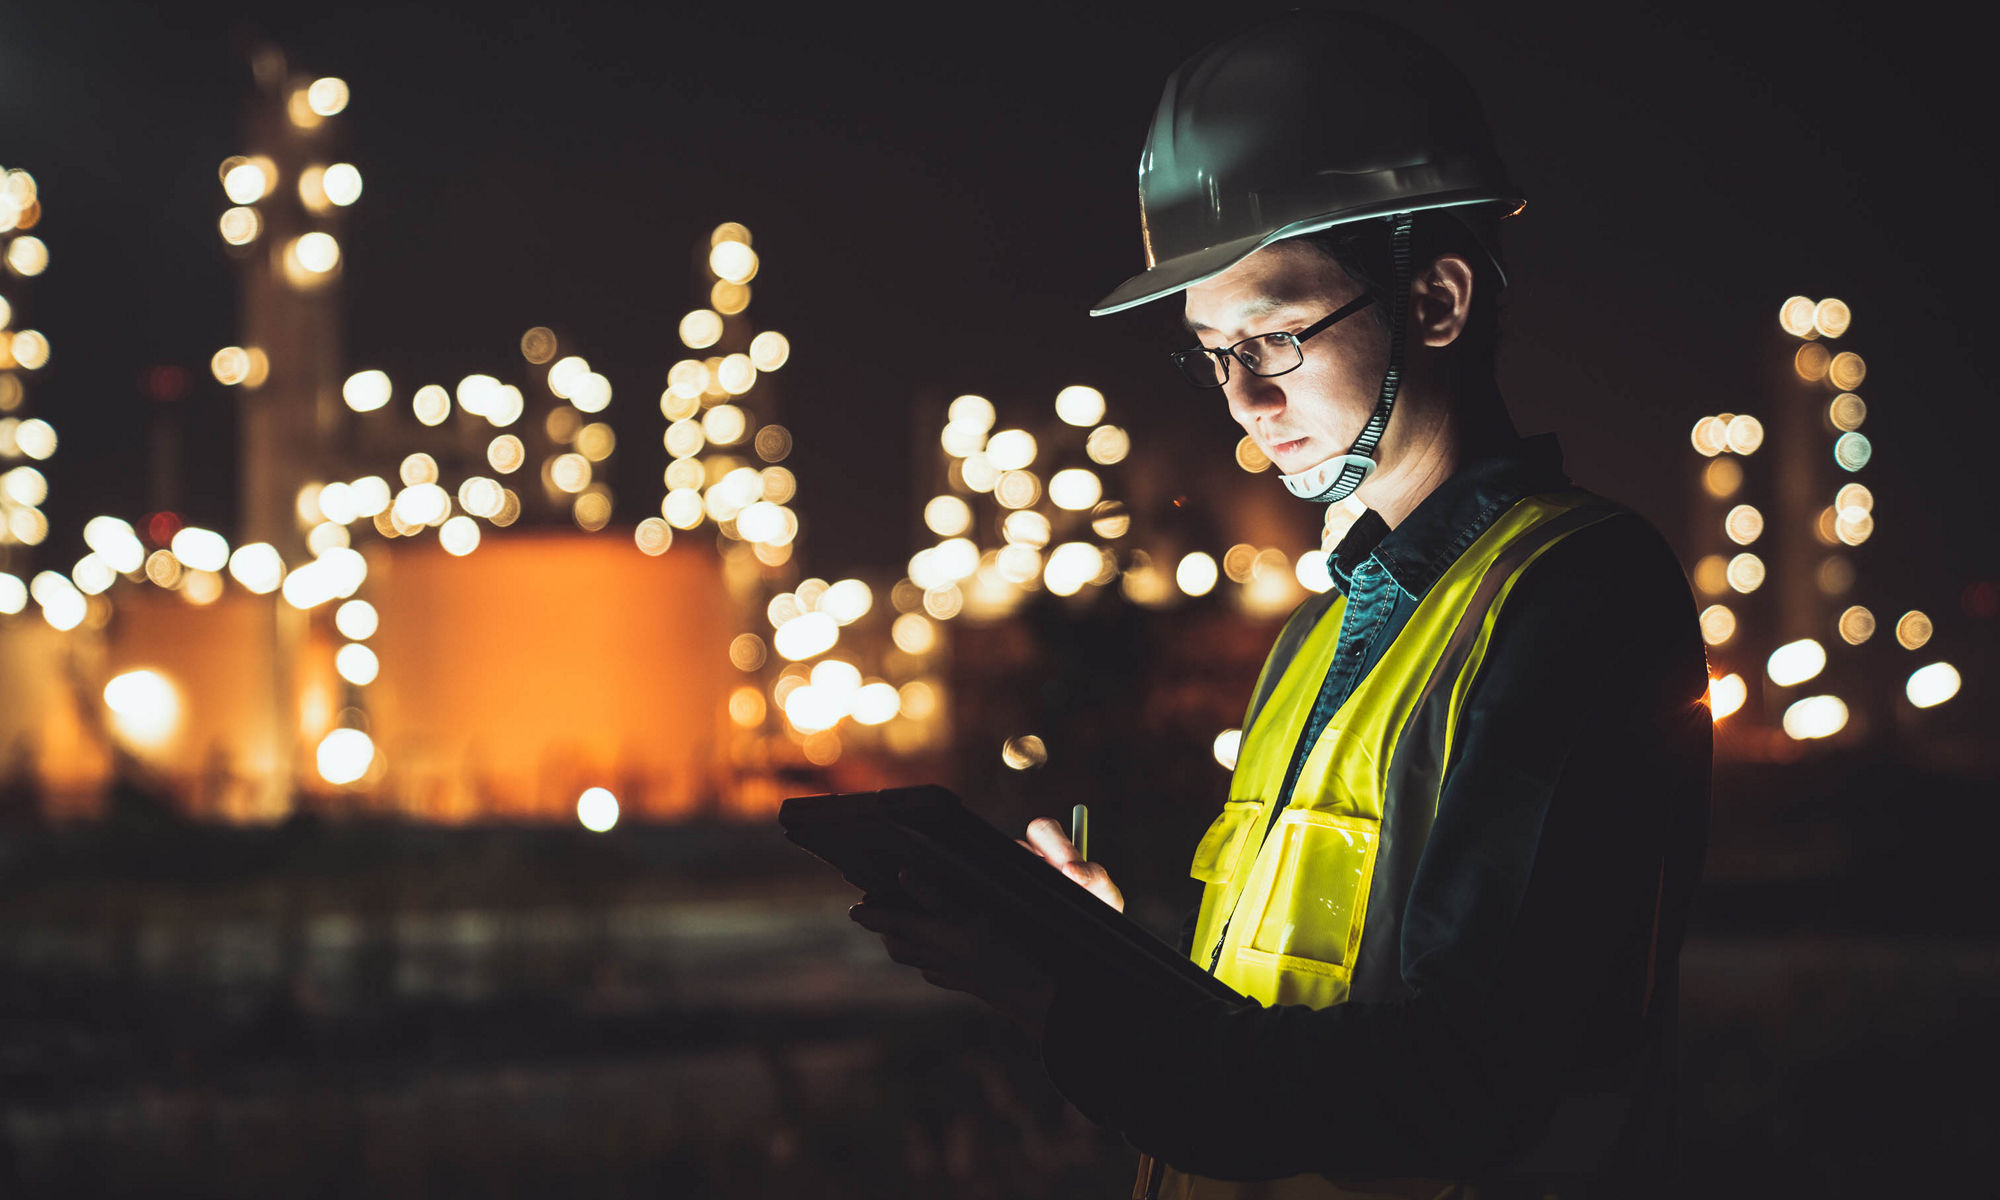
(1251, 396)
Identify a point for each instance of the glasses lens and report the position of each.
(1202, 367)
(1272, 354)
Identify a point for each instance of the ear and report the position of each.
(1441, 301)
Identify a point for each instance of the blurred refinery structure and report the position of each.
(370, 641)
(432, 609)
(335, 654)
(1779, 592)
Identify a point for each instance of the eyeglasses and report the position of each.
(1266, 354)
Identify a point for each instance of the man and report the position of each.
(1470, 803)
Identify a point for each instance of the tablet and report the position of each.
(870, 837)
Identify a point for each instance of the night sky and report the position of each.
(939, 194)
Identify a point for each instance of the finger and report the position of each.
(911, 954)
(909, 925)
(1048, 840)
(946, 980)
(1094, 877)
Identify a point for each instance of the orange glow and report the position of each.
(746, 707)
(1857, 625)
(1726, 695)
(1847, 412)
(1811, 362)
(458, 683)
(1722, 477)
(1251, 457)
(1847, 370)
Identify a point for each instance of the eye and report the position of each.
(1263, 346)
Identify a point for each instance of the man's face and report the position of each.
(1301, 418)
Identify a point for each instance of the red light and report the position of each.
(165, 383)
(1981, 601)
(162, 526)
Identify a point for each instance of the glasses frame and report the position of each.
(1221, 355)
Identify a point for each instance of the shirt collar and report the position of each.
(1448, 520)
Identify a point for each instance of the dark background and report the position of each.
(938, 194)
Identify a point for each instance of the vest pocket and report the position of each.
(1222, 846)
(1312, 917)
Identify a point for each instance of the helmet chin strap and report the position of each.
(1335, 479)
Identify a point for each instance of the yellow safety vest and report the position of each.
(1286, 902)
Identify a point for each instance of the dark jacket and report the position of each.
(1513, 1001)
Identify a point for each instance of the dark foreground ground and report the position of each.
(316, 1011)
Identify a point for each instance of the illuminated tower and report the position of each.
(287, 199)
(25, 439)
(1772, 648)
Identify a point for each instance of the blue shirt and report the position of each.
(1386, 573)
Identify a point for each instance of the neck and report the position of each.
(1431, 439)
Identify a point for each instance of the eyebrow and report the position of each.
(1261, 307)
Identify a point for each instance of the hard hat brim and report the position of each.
(1178, 274)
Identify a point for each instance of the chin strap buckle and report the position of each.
(1319, 483)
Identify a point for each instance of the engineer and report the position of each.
(1470, 806)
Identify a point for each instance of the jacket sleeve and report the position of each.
(1531, 930)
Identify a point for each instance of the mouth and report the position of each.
(1286, 448)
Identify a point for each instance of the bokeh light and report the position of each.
(1079, 405)
(1196, 574)
(1718, 624)
(1852, 451)
(145, 707)
(1856, 625)
(947, 516)
(344, 756)
(1815, 717)
(357, 664)
(1024, 753)
(1932, 685)
(1831, 317)
(1743, 525)
(1795, 316)
(1107, 444)
(1744, 434)
(1011, 449)
(769, 350)
(1726, 695)
(366, 391)
(1075, 489)
(1746, 572)
(1846, 371)
(1795, 662)
(701, 329)
(1847, 412)
(597, 809)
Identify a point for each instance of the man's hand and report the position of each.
(1047, 839)
(954, 949)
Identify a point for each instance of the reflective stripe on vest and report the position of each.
(1288, 899)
